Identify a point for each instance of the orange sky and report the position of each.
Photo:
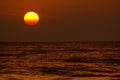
(61, 20)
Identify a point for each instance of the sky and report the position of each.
(60, 20)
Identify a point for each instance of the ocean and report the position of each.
(60, 61)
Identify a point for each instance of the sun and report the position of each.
(31, 18)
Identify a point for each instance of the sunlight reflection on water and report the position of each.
(60, 61)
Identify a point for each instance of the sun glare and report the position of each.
(31, 18)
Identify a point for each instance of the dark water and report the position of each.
(60, 61)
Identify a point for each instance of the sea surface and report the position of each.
(60, 61)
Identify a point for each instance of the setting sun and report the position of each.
(31, 18)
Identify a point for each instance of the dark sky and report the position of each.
(61, 20)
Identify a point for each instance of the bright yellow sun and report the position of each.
(31, 18)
